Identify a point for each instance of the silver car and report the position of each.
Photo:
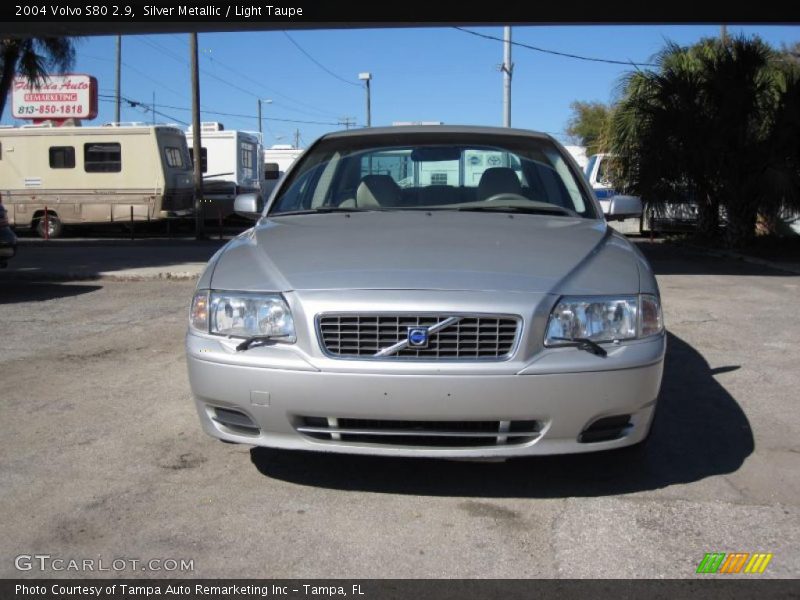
(429, 291)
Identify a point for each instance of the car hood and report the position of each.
(440, 250)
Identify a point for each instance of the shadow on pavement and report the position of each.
(16, 292)
(672, 259)
(75, 259)
(699, 431)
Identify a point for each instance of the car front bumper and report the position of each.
(278, 394)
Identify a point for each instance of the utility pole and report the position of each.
(723, 33)
(197, 147)
(117, 118)
(296, 138)
(154, 107)
(348, 122)
(507, 68)
(366, 77)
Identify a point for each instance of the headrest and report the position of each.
(498, 180)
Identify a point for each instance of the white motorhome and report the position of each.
(98, 174)
(230, 165)
(277, 159)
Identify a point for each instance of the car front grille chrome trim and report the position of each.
(405, 343)
(439, 336)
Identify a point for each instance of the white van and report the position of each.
(230, 165)
(277, 160)
(671, 217)
(100, 174)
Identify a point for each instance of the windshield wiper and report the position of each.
(583, 344)
(530, 210)
(251, 341)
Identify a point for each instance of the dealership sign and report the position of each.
(57, 97)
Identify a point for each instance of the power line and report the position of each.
(556, 53)
(271, 91)
(228, 114)
(156, 81)
(146, 107)
(135, 70)
(319, 64)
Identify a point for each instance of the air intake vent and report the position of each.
(449, 434)
(606, 429)
(236, 421)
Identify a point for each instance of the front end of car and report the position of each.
(432, 373)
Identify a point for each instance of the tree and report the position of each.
(589, 125)
(32, 58)
(715, 122)
(661, 134)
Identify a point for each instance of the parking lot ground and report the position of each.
(74, 259)
(103, 456)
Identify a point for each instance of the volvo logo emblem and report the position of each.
(418, 337)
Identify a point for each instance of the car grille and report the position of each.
(451, 337)
(449, 434)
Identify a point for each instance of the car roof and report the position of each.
(423, 129)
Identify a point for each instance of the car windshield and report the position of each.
(444, 171)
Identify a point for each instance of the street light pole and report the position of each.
(260, 128)
(366, 77)
(508, 69)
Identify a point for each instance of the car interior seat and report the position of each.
(498, 180)
(375, 191)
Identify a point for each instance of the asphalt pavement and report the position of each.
(103, 456)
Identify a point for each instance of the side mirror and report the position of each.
(248, 206)
(623, 207)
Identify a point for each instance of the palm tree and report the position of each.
(661, 131)
(32, 58)
(717, 122)
(781, 191)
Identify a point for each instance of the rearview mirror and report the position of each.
(619, 207)
(248, 206)
(435, 153)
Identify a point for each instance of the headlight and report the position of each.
(243, 314)
(604, 318)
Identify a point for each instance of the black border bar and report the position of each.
(728, 588)
(96, 17)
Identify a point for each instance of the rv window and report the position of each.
(62, 157)
(174, 157)
(248, 152)
(203, 158)
(103, 157)
(271, 171)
